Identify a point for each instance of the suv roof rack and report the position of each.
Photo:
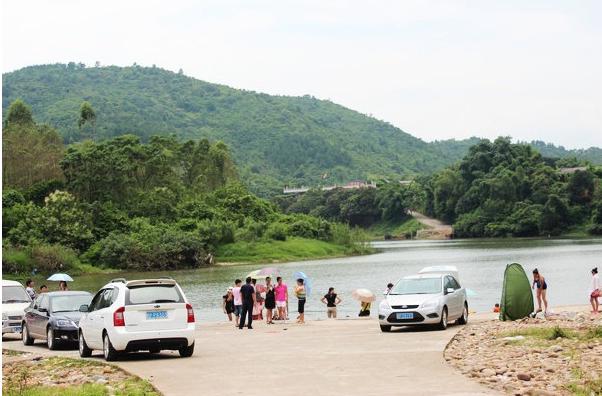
(118, 280)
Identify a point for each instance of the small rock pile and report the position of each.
(510, 357)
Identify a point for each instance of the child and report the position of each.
(496, 308)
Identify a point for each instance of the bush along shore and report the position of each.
(125, 204)
(560, 355)
(32, 375)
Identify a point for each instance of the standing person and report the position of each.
(43, 289)
(258, 306)
(542, 287)
(301, 295)
(228, 304)
(388, 289)
(237, 300)
(29, 288)
(595, 291)
(270, 300)
(331, 300)
(281, 293)
(247, 292)
(63, 286)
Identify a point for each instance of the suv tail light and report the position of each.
(118, 317)
(190, 313)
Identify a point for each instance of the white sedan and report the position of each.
(424, 299)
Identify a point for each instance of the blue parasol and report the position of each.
(60, 277)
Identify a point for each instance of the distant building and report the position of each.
(352, 185)
(568, 171)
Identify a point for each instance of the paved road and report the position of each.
(342, 357)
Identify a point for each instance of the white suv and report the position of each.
(14, 301)
(139, 315)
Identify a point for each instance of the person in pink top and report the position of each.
(281, 294)
(237, 300)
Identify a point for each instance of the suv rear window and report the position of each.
(153, 294)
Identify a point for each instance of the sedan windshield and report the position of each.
(14, 294)
(417, 286)
(69, 303)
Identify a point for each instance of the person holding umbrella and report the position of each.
(62, 279)
(301, 296)
(365, 297)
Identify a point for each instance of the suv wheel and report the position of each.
(108, 351)
(27, 339)
(187, 351)
(443, 323)
(464, 318)
(50, 341)
(84, 351)
(385, 328)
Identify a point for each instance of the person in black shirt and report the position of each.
(331, 300)
(247, 293)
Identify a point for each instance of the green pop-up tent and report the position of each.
(517, 299)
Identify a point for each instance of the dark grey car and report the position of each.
(54, 317)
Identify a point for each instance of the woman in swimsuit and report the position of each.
(542, 288)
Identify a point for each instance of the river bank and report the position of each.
(558, 355)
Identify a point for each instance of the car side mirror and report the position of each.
(83, 308)
(449, 290)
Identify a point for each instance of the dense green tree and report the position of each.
(18, 113)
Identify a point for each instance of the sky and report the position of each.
(436, 69)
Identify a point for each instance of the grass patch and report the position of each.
(594, 332)
(9, 352)
(542, 333)
(76, 390)
(278, 251)
(29, 378)
(404, 228)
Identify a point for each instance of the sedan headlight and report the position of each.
(384, 305)
(429, 304)
(65, 323)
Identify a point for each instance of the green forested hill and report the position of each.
(275, 139)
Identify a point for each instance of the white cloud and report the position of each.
(436, 69)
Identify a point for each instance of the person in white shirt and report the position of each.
(237, 300)
(595, 291)
(29, 288)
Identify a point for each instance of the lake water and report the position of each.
(565, 263)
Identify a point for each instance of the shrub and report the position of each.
(277, 232)
(53, 258)
(16, 260)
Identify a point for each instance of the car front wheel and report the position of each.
(464, 318)
(443, 323)
(27, 339)
(50, 341)
(187, 351)
(109, 352)
(84, 351)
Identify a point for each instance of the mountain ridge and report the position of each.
(275, 139)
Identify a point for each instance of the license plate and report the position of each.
(405, 315)
(17, 329)
(156, 315)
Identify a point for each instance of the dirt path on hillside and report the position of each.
(436, 228)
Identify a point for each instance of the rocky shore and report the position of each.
(557, 355)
